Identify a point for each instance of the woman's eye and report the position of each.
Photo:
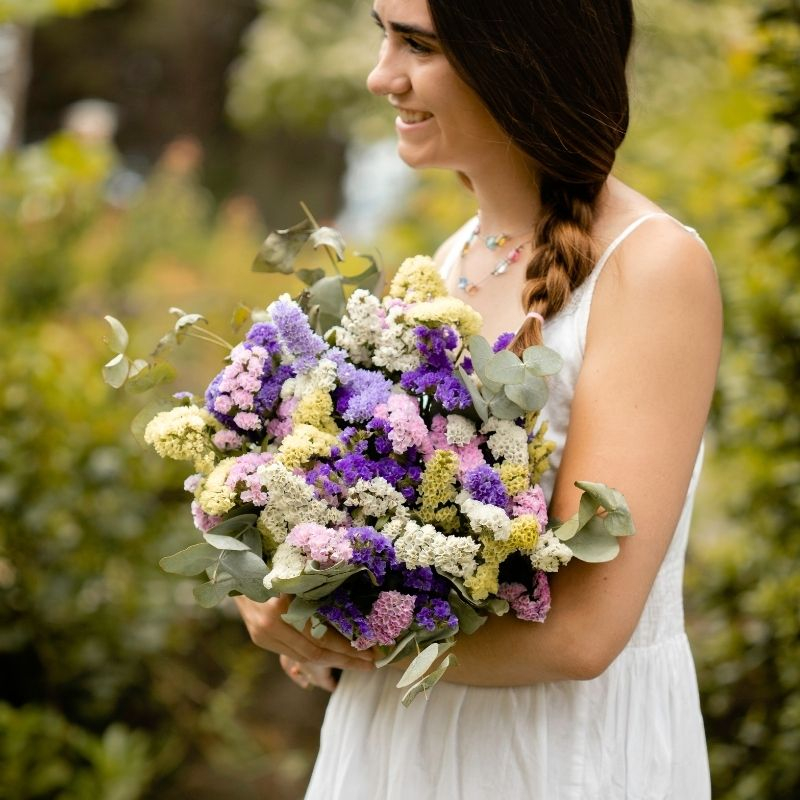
(417, 47)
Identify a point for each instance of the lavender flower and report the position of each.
(503, 341)
(373, 551)
(485, 485)
(296, 334)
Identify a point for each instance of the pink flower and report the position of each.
(470, 456)
(408, 428)
(327, 546)
(391, 614)
(227, 440)
(531, 607)
(247, 421)
(202, 521)
(280, 428)
(223, 404)
(531, 501)
(438, 433)
(242, 399)
(248, 383)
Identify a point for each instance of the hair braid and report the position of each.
(563, 255)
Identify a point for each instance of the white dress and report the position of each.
(633, 733)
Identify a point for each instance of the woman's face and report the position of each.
(440, 120)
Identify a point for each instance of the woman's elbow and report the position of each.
(588, 659)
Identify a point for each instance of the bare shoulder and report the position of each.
(448, 244)
(661, 273)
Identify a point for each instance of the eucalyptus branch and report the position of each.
(313, 221)
(212, 338)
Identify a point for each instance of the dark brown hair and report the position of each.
(552, 73)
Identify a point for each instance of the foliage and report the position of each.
(26, 11)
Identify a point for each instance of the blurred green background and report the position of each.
(209, 122)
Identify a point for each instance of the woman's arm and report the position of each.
(636, 422)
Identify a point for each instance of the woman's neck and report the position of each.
(507, 194)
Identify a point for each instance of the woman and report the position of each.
(527, 100)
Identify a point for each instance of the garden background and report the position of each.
(212, 121)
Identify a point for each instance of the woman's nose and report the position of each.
(388, 75)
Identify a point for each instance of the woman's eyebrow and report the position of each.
(404, 28)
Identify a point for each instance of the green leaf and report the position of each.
(397, 651)
(429, 682)
(504, 368)
(139, 422)
(566, 530)
(318, 628)
(469, 620)
(150, 375)
(185, 321)
(541, 360)
(252, 538)
(330, 238)
(531, 395)
(371, 279)
(480, 405)
(211, 593)
(594, 544)
(169, 341)
(118, 340)
(115, 372)
(618, 520)
(225, 542)
(328, 294)
(480, 351)
(191, 561)
(423, 662)
(248, 570)
(310, 276)
(280, 248)
(299, 613)
(503, 408)
(235, 525)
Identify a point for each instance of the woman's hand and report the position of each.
(309, 675)
(269, 631)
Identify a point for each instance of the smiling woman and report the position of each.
(527, 100)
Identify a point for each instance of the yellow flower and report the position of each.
(539, 448)
(184, 434)
(438, 481)
(417, 280)
(484, 582)
(447, 311)
(213, 496)
(316, 409)
(445, 519)
(515, 477)
(302, 444)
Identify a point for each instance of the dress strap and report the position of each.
(609, 251)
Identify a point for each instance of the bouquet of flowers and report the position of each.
(385, 473)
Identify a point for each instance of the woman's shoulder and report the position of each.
(446, 248)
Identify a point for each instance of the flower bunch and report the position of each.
(385, 474)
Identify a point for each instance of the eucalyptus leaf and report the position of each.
(478, 402)
(422, 663)
(169, 341)
(504, 368)
(235, 525)
(396, 651)
(136, 368)
(141, 420)
(318, 628)
(542, 360)
(587, 508)
(503, 408)
(149, 376)
(531, 395)
(186, 321)
(594, 544)
(566, 530)
(214, 592)
(252, 538)
(469, 620)
(328, 294)
(371, 279)
(225, 542)
(299, 613)
(480, 351)
(428, 682)
(191, 561)
(279, 250)
(248, 570)
(330, 238)
(115, 372)
(118, 340)
(310, 276)
(618, 519)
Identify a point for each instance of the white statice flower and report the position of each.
(291, 501)
(397, 347)
(424, 546)
(287, 388)
(507, 440)
(184, 434)
(460, 430)
(322, 377)
(361, 327)
(374, 497)
(396, 525)
(484, 517)
(213, 495)
(550, 553)
(288, 562)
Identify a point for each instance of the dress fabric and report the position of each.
(633, 733)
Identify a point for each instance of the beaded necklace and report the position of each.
(492, 242)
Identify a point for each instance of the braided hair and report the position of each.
(552, 73)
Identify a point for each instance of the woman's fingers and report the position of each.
(308, 675)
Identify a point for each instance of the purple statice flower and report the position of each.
(435, 613)
(467, 364)
(484, 485)
(419, 578)
(327, 546)
(390, 470)
(354, 466)
(531, 607)
(372, 550)
(296, 335)
(433, 344)
(452, 394)
(320, 477)
(392, 614)
(183, 396)
(503, 341)
(270, 391)
(356, 401)
(345, 371)
(347, 618)
(265, 335)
